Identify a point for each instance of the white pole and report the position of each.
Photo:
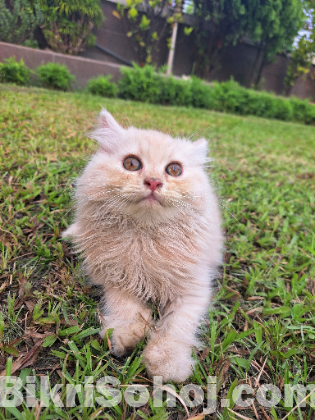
(171, 53)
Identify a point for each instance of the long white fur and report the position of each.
(165, 251)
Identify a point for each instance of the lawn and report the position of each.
(261, 328)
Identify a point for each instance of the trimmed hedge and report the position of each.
(140, 84)
(144, 84)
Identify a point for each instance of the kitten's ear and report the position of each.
(107, 121)
(201, 149)
(108, 133)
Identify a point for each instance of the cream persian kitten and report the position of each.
(148, 226)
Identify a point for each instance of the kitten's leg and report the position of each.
(129, 317)
(71, 231)
(168, 353)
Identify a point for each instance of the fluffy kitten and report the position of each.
(148, 226)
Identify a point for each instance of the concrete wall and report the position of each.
(305, 86)
(82, 68)
(238, 61)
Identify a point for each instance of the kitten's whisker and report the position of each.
(196, 132)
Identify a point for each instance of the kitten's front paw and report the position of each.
(170, 359)
(125, 337)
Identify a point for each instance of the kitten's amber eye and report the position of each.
(132, 164)
(174, 169)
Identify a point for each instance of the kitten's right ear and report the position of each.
(108, 132)
(200, 150)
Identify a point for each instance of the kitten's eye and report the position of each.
(131, 163)
(174, 169)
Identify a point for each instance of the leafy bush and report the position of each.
(13, 72)
(18, 19)
(175, 92)
(140, 84)
(302, 110)
(68, 24)
(227, 97)
(260, 104)
(102, 86)
(55, 76)
(143, 84)
(201, 94)
(283, 110)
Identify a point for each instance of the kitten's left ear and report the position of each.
(107, 121)
(109, 132)
(201, 149)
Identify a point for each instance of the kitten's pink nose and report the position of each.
(153, 183)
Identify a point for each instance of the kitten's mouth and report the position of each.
(151, 198)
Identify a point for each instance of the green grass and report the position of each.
(264, 309)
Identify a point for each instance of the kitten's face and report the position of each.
(143, 173)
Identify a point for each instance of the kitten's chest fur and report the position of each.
(152, 261)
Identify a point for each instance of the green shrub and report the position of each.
(140, 84)
(201, 94)
(229, 97)
(175, 92)
(144, 84)
(13, 72)
(102, 86)
(55, 76)
(302, 111)
(310, 115)
(283, 110)
(260, 104)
